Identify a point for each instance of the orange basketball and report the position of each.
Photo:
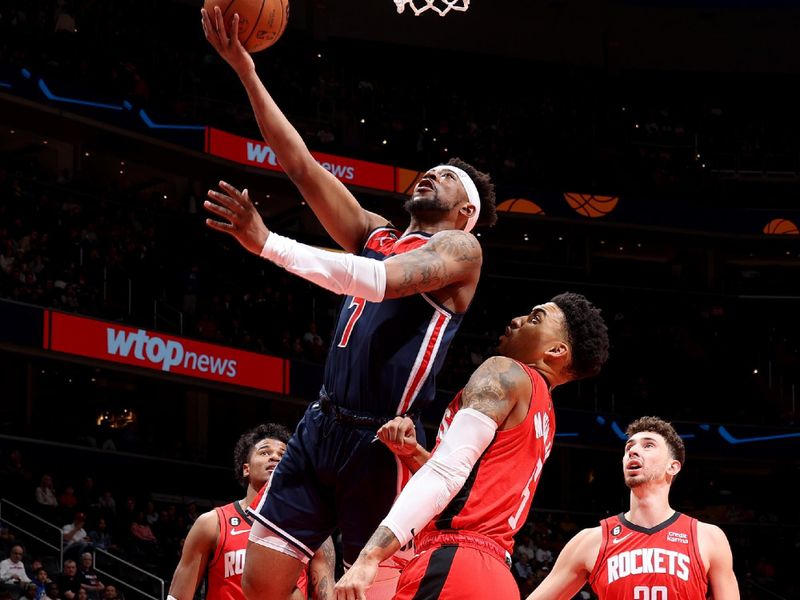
(781, 227)
(261, 22)
(590, 205)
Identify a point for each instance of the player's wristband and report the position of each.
(335, 271)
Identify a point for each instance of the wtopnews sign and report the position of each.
(158, 351)
(256, 153)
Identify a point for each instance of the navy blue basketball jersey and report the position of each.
(384, 356)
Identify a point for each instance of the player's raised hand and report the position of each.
(226, 43)
(243, 221)
(399, 435)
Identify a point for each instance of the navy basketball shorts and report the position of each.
(333, 475)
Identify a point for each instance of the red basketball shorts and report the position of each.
(455, 566)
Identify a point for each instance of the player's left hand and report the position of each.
(243, 221)
(355, 583)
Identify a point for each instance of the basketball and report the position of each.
(261, 22)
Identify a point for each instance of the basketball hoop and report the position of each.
(440, 6)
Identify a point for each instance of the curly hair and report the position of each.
(663, 428)
(248, 440)
(485, 187)
(586, 332)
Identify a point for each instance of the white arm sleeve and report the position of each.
(335, 271)
(432, 488)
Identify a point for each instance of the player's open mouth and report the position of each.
(633, 465)
(425, 184)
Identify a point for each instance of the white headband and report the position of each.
(472, 195)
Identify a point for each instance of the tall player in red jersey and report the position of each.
(470, 496)
(216, 544)
(650, 552)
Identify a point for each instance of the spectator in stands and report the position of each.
(68, 582)
(76, 540)
(111, 593)
(41, 579)
(68, 499)
(15, 474)
(29, 591)
(144, 540)
(101, 536)
(82, 595)
(46, 497)
(12, 571)
(90, 581)
(52, 592)
(107, 504)
(151, 514)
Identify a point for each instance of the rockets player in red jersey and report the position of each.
(650, 552)
(216, 544)
(470, 496)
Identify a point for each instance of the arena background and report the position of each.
(645, 154)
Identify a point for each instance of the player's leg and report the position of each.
(292, 516)
(269, 573)
(364, 505)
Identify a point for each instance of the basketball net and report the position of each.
(440, 6)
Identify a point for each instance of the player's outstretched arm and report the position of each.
(572, 568)
(335, 207)
(721, 578)
(198, 547)
(449, 258)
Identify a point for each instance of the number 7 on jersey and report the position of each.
(359, 304)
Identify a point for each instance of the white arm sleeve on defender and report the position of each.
(335, 271)
(432, 488)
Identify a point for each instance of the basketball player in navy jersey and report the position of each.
(470, 496)
(652, 551)
(216, 544)
(405, 296)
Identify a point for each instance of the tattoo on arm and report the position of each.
(382, 538)
(322, 580)
(491, 388)
(442, 261)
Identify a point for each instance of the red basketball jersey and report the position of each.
(496, 497)
(661, 563)
(226, 566)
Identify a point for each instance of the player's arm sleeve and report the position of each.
(199, 545)
(432, 488)
(337, 272)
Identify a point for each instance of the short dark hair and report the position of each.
(586, 332)
(483, 182)
(248, 440)
(663, 428)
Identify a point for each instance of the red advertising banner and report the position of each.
(258, 154)
(161, 352)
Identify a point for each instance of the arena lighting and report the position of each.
(6, 85)
(732, 439)
(153, 125)
(51, 96)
